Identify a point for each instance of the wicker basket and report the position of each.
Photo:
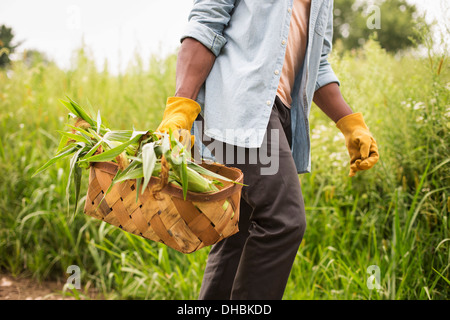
(184, 225)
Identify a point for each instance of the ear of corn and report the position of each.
(148, 162)
(138, 154)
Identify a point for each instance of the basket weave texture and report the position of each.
(201, 220)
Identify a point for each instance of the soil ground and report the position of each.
(20, 288)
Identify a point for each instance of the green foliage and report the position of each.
(395, 216)
(397, 18)
(33, 57)
(6, 45)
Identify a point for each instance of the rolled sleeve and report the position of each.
(205, 36)
(326, 74)
(207, 21)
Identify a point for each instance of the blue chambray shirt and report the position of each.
(249, 39)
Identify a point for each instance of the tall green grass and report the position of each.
(394, 216)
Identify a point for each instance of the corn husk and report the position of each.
(139, 155)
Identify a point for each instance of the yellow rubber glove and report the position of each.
(360, 143)
(180, 113)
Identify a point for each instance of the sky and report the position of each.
(112, 29)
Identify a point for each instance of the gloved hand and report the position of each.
(360, 143)
(180, 113)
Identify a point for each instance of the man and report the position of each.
(251, 66)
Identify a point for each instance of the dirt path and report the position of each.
(27, 289)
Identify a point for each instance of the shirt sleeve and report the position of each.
(326, 74)
(207, 20)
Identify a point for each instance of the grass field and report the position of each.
(395, 216)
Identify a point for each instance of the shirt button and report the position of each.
(268, 102)
(289, 10)
(277, 72)
(283, 42)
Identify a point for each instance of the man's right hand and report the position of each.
(194, 63)
(180, 113)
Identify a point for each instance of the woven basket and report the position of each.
(201, 220)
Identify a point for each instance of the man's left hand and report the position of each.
(360, 143)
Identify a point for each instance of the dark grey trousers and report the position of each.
(255, 263)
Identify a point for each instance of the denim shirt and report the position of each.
(248, 38)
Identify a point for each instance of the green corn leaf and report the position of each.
(65, 148)
(173, 141)
(138, 185)
(137, 159)
(80, 111)
(118, 135)
(81, 130)
(73, 136)
(91, 151)
(62, 143)
(138, 134)
(61, 155)
(165, 144)
(77, 144)
(77, 176)
(69, 106)
(73, 167)
(112, 153)
(148, 162)
(175, 182)
(133, 165)
(89, 107)
(131, 172)
(157, 169)
(151, 137)
(99, 122)
(184, 176)
(112, 144)
(217, 183)
(137, 173)
(108, 155)
(94, 134)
